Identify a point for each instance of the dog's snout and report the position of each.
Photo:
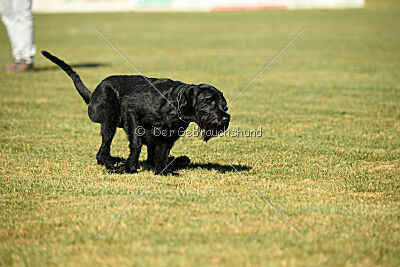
(225, 119)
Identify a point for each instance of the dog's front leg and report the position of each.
(161, 153)
(135, 143)
(150, 155)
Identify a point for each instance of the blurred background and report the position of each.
(185, 5)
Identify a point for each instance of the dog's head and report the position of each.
(206, 105)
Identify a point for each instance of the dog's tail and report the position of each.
(82, 89)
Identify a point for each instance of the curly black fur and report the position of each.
(131, 103)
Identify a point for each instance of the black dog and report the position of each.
(154, 112)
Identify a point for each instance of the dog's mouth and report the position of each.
(213, 127)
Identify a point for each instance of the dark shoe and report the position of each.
(18, 66)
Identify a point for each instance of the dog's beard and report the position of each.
(211, 127)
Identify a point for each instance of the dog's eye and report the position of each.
(213, 103)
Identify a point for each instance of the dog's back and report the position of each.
(131, 84)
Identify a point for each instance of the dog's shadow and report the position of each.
(79, 65)
(218, 167)
(192, 166)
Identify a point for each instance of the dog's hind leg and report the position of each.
(104, 157)
(104, 109)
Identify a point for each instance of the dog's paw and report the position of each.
(118, 162)
(130, 169)
(110, 162)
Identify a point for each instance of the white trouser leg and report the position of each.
(8, 18)
(18, 19)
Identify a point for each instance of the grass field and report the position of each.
(328, 159)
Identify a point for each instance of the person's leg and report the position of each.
(23, 30)
(8, 18)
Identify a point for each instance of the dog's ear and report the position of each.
(188, 101)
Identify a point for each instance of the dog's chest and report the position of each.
(165, 128)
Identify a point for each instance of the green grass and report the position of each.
(328, 159)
